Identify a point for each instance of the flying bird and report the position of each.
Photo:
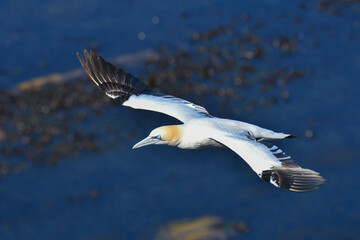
(200, 129)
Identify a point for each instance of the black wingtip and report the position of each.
(81, 59)
(293, 179)
(291, 136)
(115, 82)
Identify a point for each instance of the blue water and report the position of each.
(143, 190)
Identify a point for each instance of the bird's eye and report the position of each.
(157, 137)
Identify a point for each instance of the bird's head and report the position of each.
(169, 135)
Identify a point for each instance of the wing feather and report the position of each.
(132, 92)
(272, 164)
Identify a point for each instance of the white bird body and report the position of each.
(200, 129)
(200, 132)
(217, 132)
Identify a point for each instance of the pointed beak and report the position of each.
(145, 142)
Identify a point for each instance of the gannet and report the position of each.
(200, 129)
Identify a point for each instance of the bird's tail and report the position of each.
(266, 134)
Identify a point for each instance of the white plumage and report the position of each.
(172, 106)
(200, 129)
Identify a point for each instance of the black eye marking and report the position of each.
(157, 137)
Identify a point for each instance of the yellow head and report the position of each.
(169, 135)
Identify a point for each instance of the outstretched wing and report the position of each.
(272, 164)
(132, 92)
